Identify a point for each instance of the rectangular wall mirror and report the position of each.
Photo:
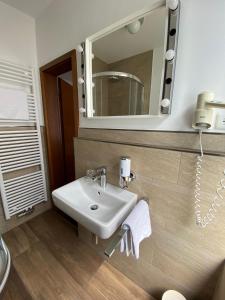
(128, 68)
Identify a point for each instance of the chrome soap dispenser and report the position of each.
(126, 175)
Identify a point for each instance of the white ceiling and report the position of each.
(32, 8)
(121, 44)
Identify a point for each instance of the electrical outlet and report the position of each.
(220, 120)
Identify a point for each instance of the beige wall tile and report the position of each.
(146, 162)
(139, 65)
(212, 170)
(214, 143)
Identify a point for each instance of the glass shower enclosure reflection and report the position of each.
(5, 263)
(117, 94)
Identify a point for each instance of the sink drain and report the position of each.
(94, 207)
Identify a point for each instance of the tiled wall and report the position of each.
(139, 65)
(116, 93)
(178, 255)
(6, 225)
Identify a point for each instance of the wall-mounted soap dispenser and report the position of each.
(126, 175)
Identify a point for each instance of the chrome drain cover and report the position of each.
(94, 207)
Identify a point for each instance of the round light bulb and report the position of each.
(134, 27)
(93, 84)
(172, 4)
(80, 80)
(170, 54)
(80, 49)
(92, 56)
(165, 102)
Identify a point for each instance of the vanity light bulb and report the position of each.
(80, 80)
(172, 4)
(92, 56)
(93, 84)
(165, 102)
(170, 54)
(80, 49)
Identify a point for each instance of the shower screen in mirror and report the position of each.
(127, 71)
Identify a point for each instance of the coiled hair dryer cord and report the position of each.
(218, 200)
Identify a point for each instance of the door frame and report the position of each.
(52, 115)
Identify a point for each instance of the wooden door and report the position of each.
(68, 128)
(55, 127)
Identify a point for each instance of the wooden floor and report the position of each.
(50, 262)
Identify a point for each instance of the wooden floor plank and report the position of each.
(95, 270)
(15, 289)
(54, 264)
(45, 278)
(67, 248)
(20, 239)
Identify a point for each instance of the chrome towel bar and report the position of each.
(115, 242)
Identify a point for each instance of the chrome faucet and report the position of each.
(100, 174)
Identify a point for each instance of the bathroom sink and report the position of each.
(99, 210)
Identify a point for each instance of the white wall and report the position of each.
(17, 32)
(201, 58)
(17, 38)
(67, 77)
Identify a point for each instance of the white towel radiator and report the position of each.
(22, 175)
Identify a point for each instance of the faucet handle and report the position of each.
(102, 170)
(90, 173)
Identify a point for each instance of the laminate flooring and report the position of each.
(49, 262)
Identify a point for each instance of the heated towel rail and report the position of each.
(22, 175)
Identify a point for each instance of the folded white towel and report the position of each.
(13, 103)
(139, 225)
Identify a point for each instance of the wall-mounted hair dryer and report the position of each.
(203, 116)
(203, 119)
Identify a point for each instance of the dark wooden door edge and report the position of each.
(53, 66)
(50, 71)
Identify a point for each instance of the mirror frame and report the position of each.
(86, 56)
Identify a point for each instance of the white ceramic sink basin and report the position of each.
(99, 210)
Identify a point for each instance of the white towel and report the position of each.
(13, 104)
(139, 225)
